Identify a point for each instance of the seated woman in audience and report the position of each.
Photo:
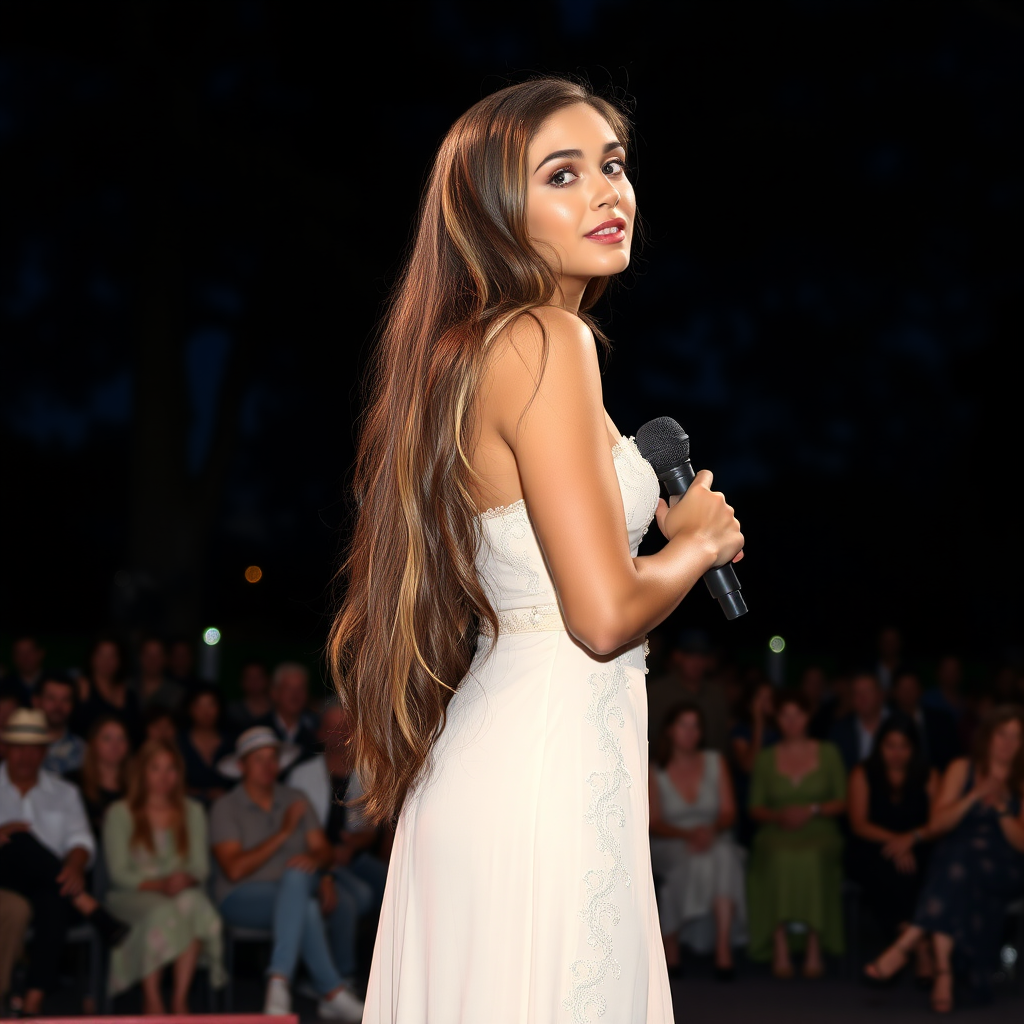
(890, 797)
(976, 869)
(158, 859)
(754, 731)
(159, 723)
(797, 792)
(203, 745)
(697, 865)
(104, 692)
(104, 774)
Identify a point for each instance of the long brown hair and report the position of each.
(406, 629)
(142, 831)
(998, 716)
(90, 775)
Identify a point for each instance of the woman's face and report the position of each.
(162, 728)
(204, 712)
(105, 661)
(1006, 740)
(580, 206)
(161, 775)
(111, 744)
(685, 733)
(792, 721)
(896, 751)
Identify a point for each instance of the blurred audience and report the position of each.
(181, 665)
(269, 848)
(937, 728)
(290, 717)
(821, 701)
(689, 678)
(698, 867)
(854, 735)
(159, 723)
(254, 708)
(27, 658)
(152, 686)
(890, 799)
(158, 860)
(753, 731)
(203, 745)
(890, 656)
(977, 867)
(330, 784)
(55, 697)
(798, 790)
(104, 693)
(46, 846)
(104, 774)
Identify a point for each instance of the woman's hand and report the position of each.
(898, 847)
(295, 813)
(794, 817)
(703, 515)
(987, 791)
(177, 881)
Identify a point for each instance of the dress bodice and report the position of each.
(677, 810)
(511, 565)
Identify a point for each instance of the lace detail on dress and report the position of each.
(500, 510)
(598, 910)
(640, 500)
(539, 618)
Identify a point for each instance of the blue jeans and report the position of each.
(365, 877)
(291, 910)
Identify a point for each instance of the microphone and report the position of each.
(666, 446)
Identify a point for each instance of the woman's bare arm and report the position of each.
(568, 479)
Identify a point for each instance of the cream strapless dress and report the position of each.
(520, 888)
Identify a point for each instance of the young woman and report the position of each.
(977, 868)
(797, 791)
(499, 513)
(103, 777)
(203, 744)
(697, 865)
(158, 858)
(890, 798)
(104, 692)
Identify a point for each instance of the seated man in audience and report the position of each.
(290, 717)
(270, 851)
(854, 735)
(328, 779)
(937, 728)
(45, 847)
(55, 697)
(255, 706)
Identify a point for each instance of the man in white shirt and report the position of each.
(46, 846)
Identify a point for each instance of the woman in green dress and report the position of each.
(157, 854)
(798, 790)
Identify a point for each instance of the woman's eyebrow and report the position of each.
(574, 154)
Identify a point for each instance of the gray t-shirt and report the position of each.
(236, 817)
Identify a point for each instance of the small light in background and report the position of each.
(254, 574)
(1008, 955)
(211, 636)
(776, 645)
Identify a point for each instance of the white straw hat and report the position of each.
(256, 738)
(27, 728)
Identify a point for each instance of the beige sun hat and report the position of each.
(256, 738)
(27, 728)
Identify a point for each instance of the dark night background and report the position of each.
(204, 205)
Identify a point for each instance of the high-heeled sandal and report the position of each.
(943, 1005)
(878, 977)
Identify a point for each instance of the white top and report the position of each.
(52, 809)
(314, 780)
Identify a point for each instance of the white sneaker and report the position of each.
(343, 1005)
(279, 998)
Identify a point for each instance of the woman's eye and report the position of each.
(562, 177)
(615, 167)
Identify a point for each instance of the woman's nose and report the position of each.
(606, 196)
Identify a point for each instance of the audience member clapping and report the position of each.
(798, 790)
(104, 774)
(976, 869)
(155, 843)
(854, 735)
(203, 745)
(697, 865)
(103, 692)
(46, 846)
(255, 707)
(55, 697)
(937, 729)
(269, 849)
(890, 800)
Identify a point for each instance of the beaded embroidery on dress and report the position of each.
(520, 889)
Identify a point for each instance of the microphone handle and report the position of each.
(722, 580)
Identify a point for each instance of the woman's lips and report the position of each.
(611, 232)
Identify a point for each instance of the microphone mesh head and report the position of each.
(663, 443)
